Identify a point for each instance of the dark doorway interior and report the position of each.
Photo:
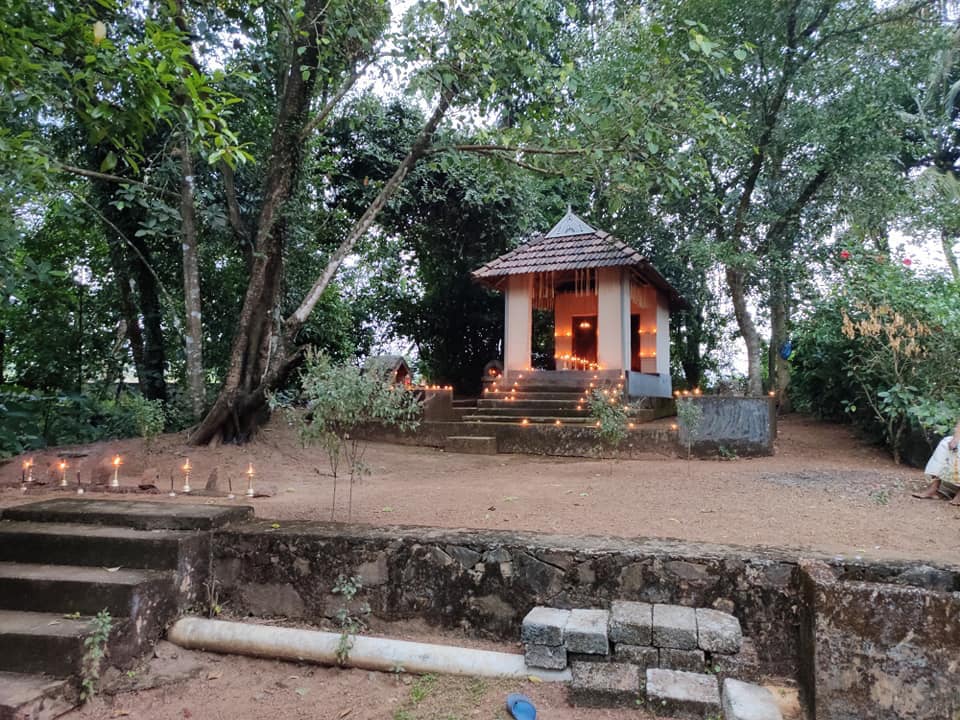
(635, 362)
(585, 337)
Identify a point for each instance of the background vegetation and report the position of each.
(191, 194)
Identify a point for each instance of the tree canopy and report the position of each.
(195, 193)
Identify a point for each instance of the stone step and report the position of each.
(575, 395)
(743, 701)
(472, 444)
(46, 643)
(84, 590)
(96, 545)
(34, 697)
(531, 419)
(679, 694)
(138, 515)
(522, 410)
(530, 403)
(597, 684)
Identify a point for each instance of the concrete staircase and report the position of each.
(526, 402)
(63, 561)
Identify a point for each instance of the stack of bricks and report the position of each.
(639, 652)
(649, 636)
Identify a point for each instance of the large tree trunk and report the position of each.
(138, 291)
(748, 329)
(191, 285)
(271, 348)
(254, 350)
(778, 369)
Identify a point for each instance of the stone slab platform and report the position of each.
(138, 515)
(679, 694)
(33, 697)
(743, 701)
(604, 684)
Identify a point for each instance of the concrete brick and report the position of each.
(743, 701)
(544, 626)
(604, 684)
(586, 632)
(674, 626)
(745, 665)
(631, 622)
(643, 656)
(689, 660)
(718, 632)
(678, 694)
(548, 657)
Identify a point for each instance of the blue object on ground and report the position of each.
(520, 707)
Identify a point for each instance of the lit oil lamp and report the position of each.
(186, 475)
(115, 480)
(250, 475)
(28, 466)
(63, 473)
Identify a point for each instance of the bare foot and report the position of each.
(956, 500)
(928, 494)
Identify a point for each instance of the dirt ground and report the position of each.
(823, 490)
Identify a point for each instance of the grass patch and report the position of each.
(448, 697)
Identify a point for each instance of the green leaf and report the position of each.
(109, 162)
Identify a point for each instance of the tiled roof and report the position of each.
(557, 252)
(568, 252)
(572, 244)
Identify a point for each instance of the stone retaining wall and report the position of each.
(566, 441)
(746, 426)
(487, 581)
(879, 650)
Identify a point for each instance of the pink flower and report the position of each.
(908, 262)
(844, 254)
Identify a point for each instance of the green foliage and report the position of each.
(610, 413)
(881, 351)
(689, 417)
(350, 623)
(29, 421)
(341, 400)
(147, 415)
(95, 649)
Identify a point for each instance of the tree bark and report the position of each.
(271, 351)
(193, 338)
(748, 329)
(252, 352)
(137, 289)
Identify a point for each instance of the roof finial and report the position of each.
(569, 226)
(569, 208)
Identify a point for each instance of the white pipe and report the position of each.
(370, 653)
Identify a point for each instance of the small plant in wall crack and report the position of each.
(95, 649)
(350, 623)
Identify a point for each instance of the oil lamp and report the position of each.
(186, 475)
(115, 480)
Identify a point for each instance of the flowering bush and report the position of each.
(881, 351)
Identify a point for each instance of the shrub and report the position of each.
(610, 413)
(340, 401)
(881, 351)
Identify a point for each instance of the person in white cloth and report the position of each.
(943, 471)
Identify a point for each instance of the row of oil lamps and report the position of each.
(26, 477)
